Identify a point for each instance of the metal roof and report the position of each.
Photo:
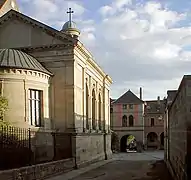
(11, 58)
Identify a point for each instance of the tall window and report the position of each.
(87, 107)
(152, 121)
(99, 121)
(131, 121)
(93, 110)
(35, 107)
(124, 121)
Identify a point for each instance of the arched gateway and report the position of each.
(127, 142)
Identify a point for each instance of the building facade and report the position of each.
(127, 118)
(73, 92)
(7, 5)
(177, 155)
(154, 124)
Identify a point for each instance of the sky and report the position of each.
(139, 43)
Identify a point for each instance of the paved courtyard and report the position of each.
(126, 166)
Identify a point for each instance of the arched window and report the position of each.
(99, 108)
(93, 110)
(124, 121)
(87, 109)
(131, 121)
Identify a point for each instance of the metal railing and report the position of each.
(18, 147)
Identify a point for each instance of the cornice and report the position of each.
(45, 47)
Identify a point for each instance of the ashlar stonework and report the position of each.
(74, 96)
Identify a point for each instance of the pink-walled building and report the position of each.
(127, 117)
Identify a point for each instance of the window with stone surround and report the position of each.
(87, 107)
(152, 121)
(99, 108)
(124, 106)
(130, 106)
(93, 109)
(35, 107)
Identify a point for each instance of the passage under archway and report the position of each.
(128, 142)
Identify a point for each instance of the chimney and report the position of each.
(141, 97)
(158, 99)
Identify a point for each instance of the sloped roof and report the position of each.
(14, 14)
(10, 58)
(128, 98)
(155, 107)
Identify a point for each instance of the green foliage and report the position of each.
(3, 106)
(3, 109)
(130, 139)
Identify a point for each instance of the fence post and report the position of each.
(30, 155)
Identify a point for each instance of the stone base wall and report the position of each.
(92, 147)
(42, 144)
(40, 171)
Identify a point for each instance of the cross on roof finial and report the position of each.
(70, 12)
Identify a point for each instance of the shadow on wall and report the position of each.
(24, 147)
(114, 142)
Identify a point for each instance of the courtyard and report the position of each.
(124, 166)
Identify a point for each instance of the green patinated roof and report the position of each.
(68, 25)
(11, 58)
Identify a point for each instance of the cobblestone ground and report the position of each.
(147, 166)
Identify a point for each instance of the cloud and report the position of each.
(52, 12)
(143, 46)
(136, 43)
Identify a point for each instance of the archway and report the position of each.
(162, 138)
(152, 140)
(128, 142)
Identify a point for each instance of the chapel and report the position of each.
(53, 83)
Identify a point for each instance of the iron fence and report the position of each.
(17, 148)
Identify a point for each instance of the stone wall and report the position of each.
(179, 116)
(91, 148)
(39, 171)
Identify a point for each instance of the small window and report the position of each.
(35, 107)
(124, 106)
(130, 106)
(152, 121)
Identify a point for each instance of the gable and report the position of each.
(18, 30)
(128, 98)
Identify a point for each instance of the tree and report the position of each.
(3, 109)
